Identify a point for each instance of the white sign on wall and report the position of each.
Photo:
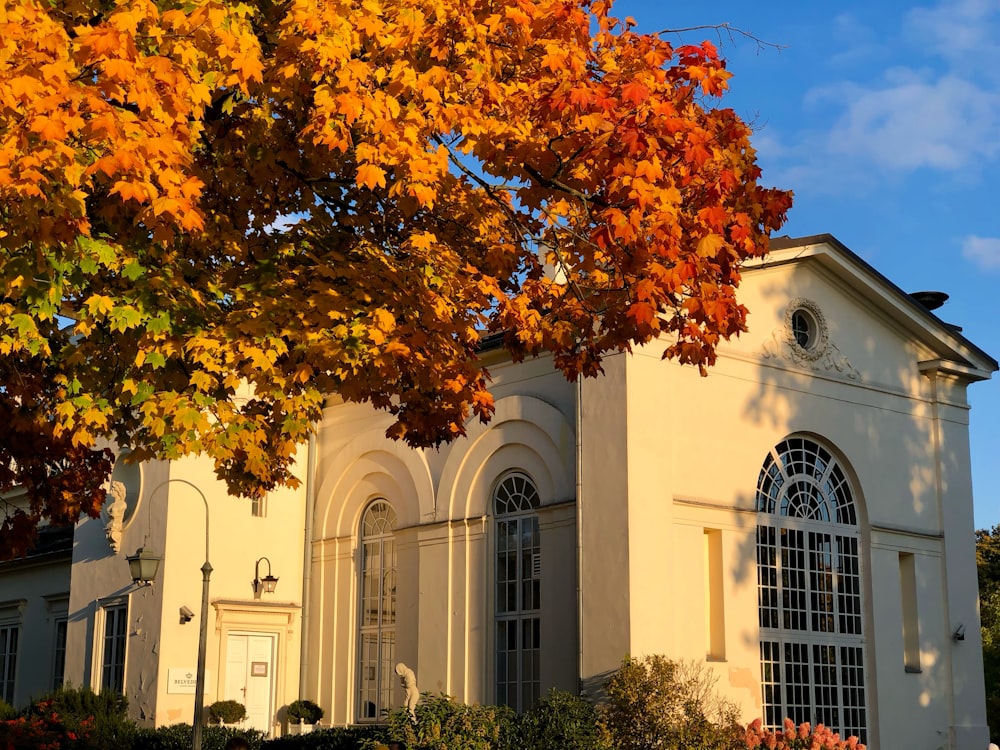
(183, 680)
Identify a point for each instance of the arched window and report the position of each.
(518, 591)
(809, 591)
(377, 611)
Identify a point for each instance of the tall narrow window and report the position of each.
(911, 623)
(8, 660)
(58, 652)
(113, 648)
(377, 631)
(809, 591)
(518, 592)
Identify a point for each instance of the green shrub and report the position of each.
(305, 711)
(178, 737)
(443, 724)
(7, 711)
(229, 712)
(102, 716)
(337, 738)
(658, 704)
(562, 720)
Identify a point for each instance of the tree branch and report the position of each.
(724, 30)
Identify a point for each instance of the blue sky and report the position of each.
(884, 118)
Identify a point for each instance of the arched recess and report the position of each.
(812, 588)
(366, 467)
(525, 433)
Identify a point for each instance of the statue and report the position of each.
(409, 682)
(114, 509)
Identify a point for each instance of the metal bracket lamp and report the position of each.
(265, 585)
(143, 566)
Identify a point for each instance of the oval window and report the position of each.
(804, 328)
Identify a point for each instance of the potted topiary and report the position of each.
(301, 715)
(227, 712)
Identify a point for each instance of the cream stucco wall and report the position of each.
(648, 520)
(444, 536)
(170, 519)
(33, 597)
(648, 477)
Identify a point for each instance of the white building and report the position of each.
(801, 520)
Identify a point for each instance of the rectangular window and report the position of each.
(911, 629)
(715, 617)
(59, 653)
(113, 648)
(518, 605)
(8, 660)
(258, 506)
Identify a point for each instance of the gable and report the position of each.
(867, 330)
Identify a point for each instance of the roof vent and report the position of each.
(930, 300)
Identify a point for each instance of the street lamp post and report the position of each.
(143, 566)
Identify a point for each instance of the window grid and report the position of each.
(113, 652)
(8, 660)
(518, 593)
(59, 653)
(377, 617)
(809, 591)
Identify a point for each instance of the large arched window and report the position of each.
(518, 591)
(809, 591)
(377, 611)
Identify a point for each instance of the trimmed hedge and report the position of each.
(178, 737)
(336, 738)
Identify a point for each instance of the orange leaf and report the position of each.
(371, 176)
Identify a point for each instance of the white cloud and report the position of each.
(983, 251)
(963, 31)
(909, 121)
(938, 109)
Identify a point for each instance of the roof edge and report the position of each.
(944, 330)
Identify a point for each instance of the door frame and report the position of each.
(252, 618)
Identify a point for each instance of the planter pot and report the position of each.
(297, 728)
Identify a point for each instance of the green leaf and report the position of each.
(125, 317)
(25, 324)
(155, 360)
(160, 323)
(133, 270)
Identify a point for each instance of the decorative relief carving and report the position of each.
(822, 355)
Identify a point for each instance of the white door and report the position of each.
(250, 675)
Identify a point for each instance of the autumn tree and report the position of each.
(988, 569)
(314, 196)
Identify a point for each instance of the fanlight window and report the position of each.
(377, 626)
(809, 591)
(518, 592)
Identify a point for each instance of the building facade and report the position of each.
(800, 521)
